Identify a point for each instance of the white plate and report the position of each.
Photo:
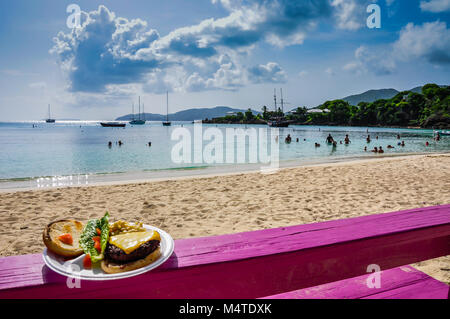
(74, 267)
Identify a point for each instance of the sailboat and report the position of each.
(138, 121)
(278, 121)
(167, 123)
(49, 119)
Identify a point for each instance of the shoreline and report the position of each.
(158, 175)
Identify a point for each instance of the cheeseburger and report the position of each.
(130, 247)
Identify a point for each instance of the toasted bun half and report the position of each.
(114, 268)
(58, 228)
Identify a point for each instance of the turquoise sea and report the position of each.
(81, 147)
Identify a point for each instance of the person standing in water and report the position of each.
(330, 139)
(346, 140)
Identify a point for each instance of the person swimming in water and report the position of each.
(288, 139)
(390, 146)
(317, 145)
(403, 143)
(368, 139)
(438, 136)
(109, 144)
(380, 150)
(375, 150)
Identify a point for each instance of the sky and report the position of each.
(93, 64)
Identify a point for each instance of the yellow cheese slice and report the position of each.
(129, 242)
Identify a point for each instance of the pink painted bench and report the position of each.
(320, 260)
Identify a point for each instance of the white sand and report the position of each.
(213, 205)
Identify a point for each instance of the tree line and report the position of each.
(428, 109)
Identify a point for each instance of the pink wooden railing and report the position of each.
(256, 264)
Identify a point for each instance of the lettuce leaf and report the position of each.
(90, 231)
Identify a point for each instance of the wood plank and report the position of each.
(259, 263)
(403, 282)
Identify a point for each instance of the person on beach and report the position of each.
(109, 144)
(365, 148)
(149, 144)
(297, 140)
(317, 145)
(398, 136)
(120, 143)
(368, 139)
(403, 143)
(426, 143)
(380, 150)
(376, 137)
(334, 144)
(330, 139)
(375, 150)
(346, 140)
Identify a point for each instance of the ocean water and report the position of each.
(81, 147)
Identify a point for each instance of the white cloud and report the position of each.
(270, 72)
(349, 14)
(435, 5)
(110, 51)
(430, 41)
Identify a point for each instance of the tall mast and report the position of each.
(275, 98)
(49, 111)
(139, 107)
(132, 108)
(282, 107)
(143, 112)
(167, 103)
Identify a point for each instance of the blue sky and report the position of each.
(211, 52)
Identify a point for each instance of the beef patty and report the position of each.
(117, 255)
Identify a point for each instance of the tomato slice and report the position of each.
(66, 239)
(96, 238)
(87, 262)
(97, 246)
(99, 232)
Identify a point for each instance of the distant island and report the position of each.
(189, 115)
(426, 107)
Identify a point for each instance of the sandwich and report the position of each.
(131, 250)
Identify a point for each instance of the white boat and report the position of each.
(444, 133)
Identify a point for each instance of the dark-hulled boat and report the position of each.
(112, 124)
(278, 123)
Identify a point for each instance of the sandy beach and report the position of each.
(213, 205)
